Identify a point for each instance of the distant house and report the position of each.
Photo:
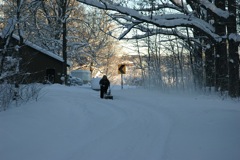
(41, 64)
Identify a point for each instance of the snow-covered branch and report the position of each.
(161, 20)
(210, 6)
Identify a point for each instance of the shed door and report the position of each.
(50, 75)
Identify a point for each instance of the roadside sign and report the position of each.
(121, 69)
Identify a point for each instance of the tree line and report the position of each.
(206, 30)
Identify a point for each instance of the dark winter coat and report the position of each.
(104, 83)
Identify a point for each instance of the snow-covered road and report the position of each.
(73, 123)
(134, 131)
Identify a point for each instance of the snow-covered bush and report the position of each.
(18, 94)
(30, 91)
(6, 96)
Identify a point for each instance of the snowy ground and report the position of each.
(73, 123)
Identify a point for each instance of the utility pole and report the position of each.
(64, 45)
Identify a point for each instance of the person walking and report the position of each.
(104, 84)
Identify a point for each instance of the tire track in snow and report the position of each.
(141, 131)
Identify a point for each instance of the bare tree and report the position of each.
(11, 73)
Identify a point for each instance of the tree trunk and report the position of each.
(221, 69)
(209, 58)
(198, 63)
(209, 67)
(233, 52)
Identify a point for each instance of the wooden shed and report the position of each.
(40, 64)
